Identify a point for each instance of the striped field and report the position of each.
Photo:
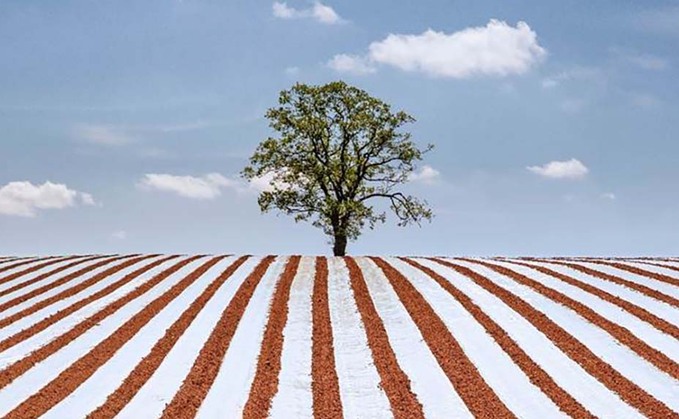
(142, 336)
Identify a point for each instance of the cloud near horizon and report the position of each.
(24, 199)
(206, 187)
(497, 49)
(569, 169)
(426, 174)
(319, 12)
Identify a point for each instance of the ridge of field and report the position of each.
(303, 336)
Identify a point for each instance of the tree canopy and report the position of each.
(337, 151)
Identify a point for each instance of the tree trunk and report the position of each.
(340, 246)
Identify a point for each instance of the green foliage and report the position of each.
(337, 149)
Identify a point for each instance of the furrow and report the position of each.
(325, 384)
(476, 393)
(16, 312)
(294, 396)
(638, 311)
(265, 383)
(535, 373)
(132, 377)
(622, 334)
(61, 314)
(617, 280)
(16, 369)
(627, 389)
(206, 367)
(44, 263)
(393, 380)
(78, 372)
(47, 275)
(638, 271)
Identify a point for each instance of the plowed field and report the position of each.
(142, 336)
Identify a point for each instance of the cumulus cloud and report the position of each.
(25, 199)
(209, 186)
(610, 196)
(319, 12)
(351, 64)
(497, 49)
(205, 187)
(569, 169)
(426, 174)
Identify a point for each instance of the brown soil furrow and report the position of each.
(324, 380)
(61, 281)
(539, 377)
(197, 383)
(265, 384)
(47, 275)
(621, 334)
(19, 274)
(640, 312)
(11, 372)
(393, 380)
(78, 372)
(150, 363)
(639, 271)
(479, 397)
(50, 320)
(576, 350)
(660, 265)
(649, 292)
(10, 260)
(25, 261)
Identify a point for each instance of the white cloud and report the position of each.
(351, 64)
(426, 174)
(205, 187)
(103, 135)
(497, 49)
(24, 199)
(569, 169)
(119, 235)
(609, 196)
(320, 12)
(267, 182)
(325, 14)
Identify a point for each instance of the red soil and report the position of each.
(576, 350)
(78, 372)
(533, 371)
(393, 380)
(206, 367)
(324, 384)
(150, 363)
(462, 373)
(265, 384)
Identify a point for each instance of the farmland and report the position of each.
(371, 337)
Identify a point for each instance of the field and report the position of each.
(366, 337)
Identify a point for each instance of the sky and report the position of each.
(124, 124)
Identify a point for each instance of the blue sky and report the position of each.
(96, 95)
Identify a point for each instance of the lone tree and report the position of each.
(338, 150)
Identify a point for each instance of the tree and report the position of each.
(338, 150)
